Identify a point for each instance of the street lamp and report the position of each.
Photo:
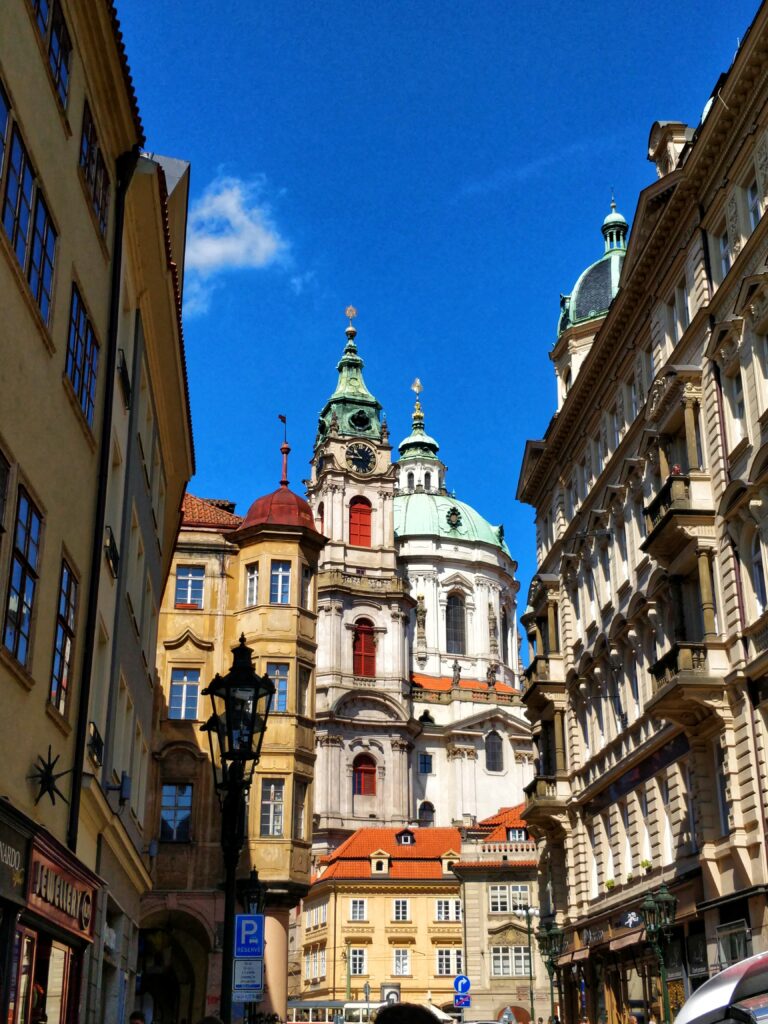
(529, 913)
(551, 939)
(235, 738)
(658, 912)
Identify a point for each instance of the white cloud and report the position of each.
(230, 228)
(300, 282)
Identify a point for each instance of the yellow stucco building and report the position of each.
(230, 577)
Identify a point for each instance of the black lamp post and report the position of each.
(658, 910)
(529, 913)
(235, 738)
(551, 939)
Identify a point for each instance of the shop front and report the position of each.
(46, 901)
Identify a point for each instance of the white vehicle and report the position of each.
(737, 994)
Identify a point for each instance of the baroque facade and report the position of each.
(646, 617)
(95, 452)
(418, 709)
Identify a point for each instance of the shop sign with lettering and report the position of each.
(59, 895)
(14, 853)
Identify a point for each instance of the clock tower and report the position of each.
(362, 705)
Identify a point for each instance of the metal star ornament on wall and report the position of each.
(45, 775)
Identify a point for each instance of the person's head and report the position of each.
(405, 1013)
(137, 1017)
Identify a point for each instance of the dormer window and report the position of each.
(449, 858)
(517, 835)
(379, 862)
(405, 838)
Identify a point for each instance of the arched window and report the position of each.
(504, 638)
(360, 522)
(411, 479)
(455, 632)
(567, 381)
(364, 776)
(426, 815)
(494, 753)
(757, 573)
(364, 649)
(321, 518)
(427, 481)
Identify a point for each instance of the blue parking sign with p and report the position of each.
(249, 935)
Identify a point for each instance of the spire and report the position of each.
(285, 448)
(351, 407)
(418, 444)
(614, 229)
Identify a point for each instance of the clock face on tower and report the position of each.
(361, 457)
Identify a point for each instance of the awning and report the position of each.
(628, 940)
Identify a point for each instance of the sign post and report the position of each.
(461, 1000)
(248, 964)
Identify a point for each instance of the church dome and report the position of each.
(596, 288)
(282, 507)
(441, 515)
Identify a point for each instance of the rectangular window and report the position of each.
(306, 585)
(82, 356)
(724, 254)
(94, 170)
(401, 910)
(305, 680)
(190, 580)
(306, 967)
(498, 899)
(59, 53)
(679, 310)
(176, 813)
(449, 961)
(357, 961)
(40, 270)
(754, 205)
(23, 578)
(65, 638)
(425, 764)
(252, 584)
(517, 835)
(448, 910)
(299, 808)
(723, 789)
(402, 963)
(278, 673)
(185, 684)
(272, 807)
(321, 967)
(17, 208)
(280, 583)
(510, 961)
(357, 910)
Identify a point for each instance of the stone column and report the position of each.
(276, 963)
(560, 741)
(689, 413)
(707, 593)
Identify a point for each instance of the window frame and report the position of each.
(281, 679)
(455, 624)
(360, 515)
(364, 775)
(401, 909)
(272, 808)
(190, 578)
(494, 761)
(498, 898)
(401, 962)
(358, 961)
(364, 649)
(425, 763)
(280, 581)
(358, 908)
(82, 359)
(28, 577)
(184, 687)
(251, 584)
(64, 638)
(175, 807)
(94, 170)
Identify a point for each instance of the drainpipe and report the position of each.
(124, 167)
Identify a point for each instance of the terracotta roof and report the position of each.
(443, 684)
(198, 512)
(418, 860)
(505, 818)
(127, 77)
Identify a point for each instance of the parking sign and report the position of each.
(249, 935)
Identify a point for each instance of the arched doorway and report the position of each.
(174, 948)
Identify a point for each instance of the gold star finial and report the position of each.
(417, 387)
(350, 312)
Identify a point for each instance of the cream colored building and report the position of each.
(385, 911)
(92, 246)
(231, 576)
(646, 616)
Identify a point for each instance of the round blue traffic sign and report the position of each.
(461, 983)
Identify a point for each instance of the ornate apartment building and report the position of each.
(231, 576)
(95, 452)
(647, 616)
(418, 707)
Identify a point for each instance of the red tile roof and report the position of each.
(198, 512)
(421, 859)
(497, 824)
(443, 684)
(127, 77)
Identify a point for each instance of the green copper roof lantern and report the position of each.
(351, 411)
(418, 444)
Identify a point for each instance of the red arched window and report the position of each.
(364, 776)
(360, 522)
(364, 649)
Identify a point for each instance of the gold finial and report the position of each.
(417, 387)
(350, 312)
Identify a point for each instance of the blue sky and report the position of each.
(442, 166)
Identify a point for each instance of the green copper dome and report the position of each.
(351, 410)
(440, 515)
(418, 444)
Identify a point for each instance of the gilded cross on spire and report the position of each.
(417, 387)
(350, 312)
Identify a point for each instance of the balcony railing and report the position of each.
(537, 671)
(674, 494)
(683, 656)
(542, 787)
